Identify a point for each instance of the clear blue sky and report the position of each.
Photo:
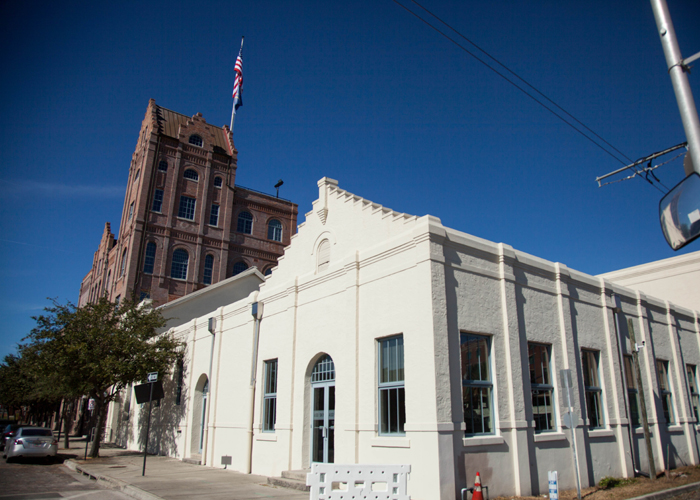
(358, 91)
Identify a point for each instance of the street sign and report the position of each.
(153, 377)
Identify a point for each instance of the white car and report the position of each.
(31, 442)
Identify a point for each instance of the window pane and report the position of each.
(392, 403)
(196, 140)
(208, 269)
(157, 200)
(163, 166)
(187, 205)
(274, 230)
(179, 265)
(214, 216)
(245, 223)
(150, 258)
(542, 410)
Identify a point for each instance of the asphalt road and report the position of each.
(31, 479)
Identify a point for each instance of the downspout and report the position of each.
(257, 312)
(212, 330)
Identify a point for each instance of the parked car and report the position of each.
(7, 431)
(31, 442)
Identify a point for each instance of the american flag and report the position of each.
(238, 83)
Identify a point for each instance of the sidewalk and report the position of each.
(169, 478)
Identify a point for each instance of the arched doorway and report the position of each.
(323, 410)
(199, 413)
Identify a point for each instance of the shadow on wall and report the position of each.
(167, 416)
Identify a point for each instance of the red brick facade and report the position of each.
(174, 186)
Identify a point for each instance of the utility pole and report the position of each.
(677, 68)
(642, 402)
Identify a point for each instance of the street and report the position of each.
(29, 479)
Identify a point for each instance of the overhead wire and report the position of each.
(514, 84)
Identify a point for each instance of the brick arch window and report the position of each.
(149, 258)
(218, 182)
(208, 269)
(122, 268)
(163, 166)
(191, 174)
(196, 140)
(178, 268)
(239, 267)
(245, 223)
(274, 230)
(268, 271)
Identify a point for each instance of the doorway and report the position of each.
(323, 411)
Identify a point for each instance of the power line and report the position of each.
(514, 84)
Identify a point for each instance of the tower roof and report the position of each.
(169, 123)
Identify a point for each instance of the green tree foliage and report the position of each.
(98, 349)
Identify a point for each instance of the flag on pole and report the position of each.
(238, 82)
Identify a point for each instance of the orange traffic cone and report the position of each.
(476, 495)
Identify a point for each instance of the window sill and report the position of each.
(482, 441)
(675, 428)
(387, 442)
(266, 436)
(599, 433)
(549, 436)
(185, 218)
(639, 431)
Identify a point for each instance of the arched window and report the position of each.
(245, 223)
(218, 182)
(122, 269)
(195, 140)
(268, 271)
(324, 255)
(239, 267)
(274, 230)
(163, 166)
(150, 258)
(178, 270)
(324, 370)
(208, 269)
(191, 175)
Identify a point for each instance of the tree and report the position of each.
(99, 348)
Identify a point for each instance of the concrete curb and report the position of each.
(112, 483)
(663, 494)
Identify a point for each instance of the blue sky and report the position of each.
(360, 91)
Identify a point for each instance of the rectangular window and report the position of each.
(131, 210)
(591, 384)
(632, 393)
(477, 386)
(180, 377)
(392, 397)
(694, 396)
(157, 200)
(270, 396)
(187, 204)
(541, 386)
(665, 391)
(214, 215)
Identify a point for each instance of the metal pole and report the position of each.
(148, 429)
(679, 79)
(233, 111)
(573, 439)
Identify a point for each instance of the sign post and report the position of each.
(570, 419)
(152, 379)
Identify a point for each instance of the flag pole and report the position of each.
(233, 111)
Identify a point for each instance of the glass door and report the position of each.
(323, 426)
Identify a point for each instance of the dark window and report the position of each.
(196, 140)
(591, 384)
(245, 223)
(187, 205)
(122, 269)
(274, 230)
(632, 392)
(477, 385)
(157, 200)
(218, 182)
(144, 296)
(541, 387)
(270, 396)
(138, 173)
(268, 271)
(214, 215)
(131, 210)
(191, 175)
(178, 269)
(665, 392)
(163, 166)
(239, 267)
(208, 269)
(392, 395)
(150, 258)
(180, 378)
(694, 396)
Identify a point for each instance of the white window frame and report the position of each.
(269, 413)
(391, 420)
(157, 200)
(691, 371)
(214, 215)
(481, 386)
(183, 211)
(545, 387)
(590, 366)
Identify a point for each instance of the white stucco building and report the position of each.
(388, 338)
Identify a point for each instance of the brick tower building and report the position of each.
(185, 224)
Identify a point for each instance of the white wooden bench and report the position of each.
(358, 482)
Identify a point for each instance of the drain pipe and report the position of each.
(257, 312)
(212, 330)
